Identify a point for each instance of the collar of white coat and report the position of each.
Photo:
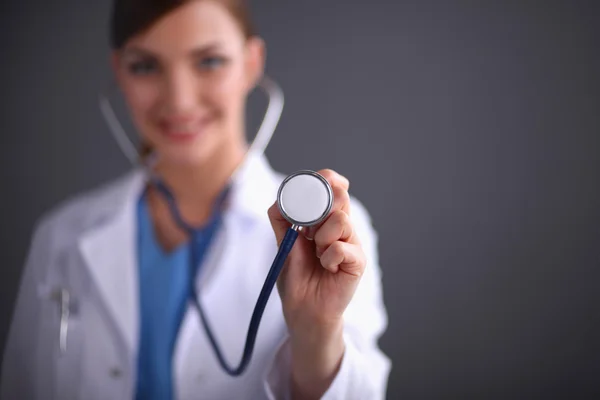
(109, 247)
(253, 190)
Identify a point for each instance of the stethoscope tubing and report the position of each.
(258, 146)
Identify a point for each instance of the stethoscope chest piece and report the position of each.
(305, 198)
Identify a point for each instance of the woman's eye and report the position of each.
(142, 67)
(211, 62)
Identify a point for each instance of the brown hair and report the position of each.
(131, 17)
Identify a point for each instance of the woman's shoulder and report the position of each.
(87, 208)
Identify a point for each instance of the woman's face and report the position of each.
(186, 79)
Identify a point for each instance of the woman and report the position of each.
(114, 259)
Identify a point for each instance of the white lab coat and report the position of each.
(88, 246)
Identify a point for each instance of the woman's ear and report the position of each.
(255, 61)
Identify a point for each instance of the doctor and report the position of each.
(103, 310)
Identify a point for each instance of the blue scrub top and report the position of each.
(165, 283)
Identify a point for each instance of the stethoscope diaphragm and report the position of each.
(305, 198)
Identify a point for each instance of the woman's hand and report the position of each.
(316, 284)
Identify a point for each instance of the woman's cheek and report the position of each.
(224, 94)
(144, 102)
(145, 96)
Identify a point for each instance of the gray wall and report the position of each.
(471, 132)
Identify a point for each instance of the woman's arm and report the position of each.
(333, 358)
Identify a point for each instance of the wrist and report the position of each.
(308, 335)
(317, 354)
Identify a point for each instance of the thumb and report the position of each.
(279, 224)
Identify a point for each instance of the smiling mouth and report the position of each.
(184, 131)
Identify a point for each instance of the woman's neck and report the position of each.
(196, 186)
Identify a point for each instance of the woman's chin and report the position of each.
(183, 157)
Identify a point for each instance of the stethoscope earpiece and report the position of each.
(305, 198)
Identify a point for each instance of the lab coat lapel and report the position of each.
(109, 252)
(253, 192)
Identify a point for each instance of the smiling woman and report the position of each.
(185, 69)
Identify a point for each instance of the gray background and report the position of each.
(470, 130)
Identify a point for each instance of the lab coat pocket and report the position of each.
(61, 353)
(62, 330)
(69, 351)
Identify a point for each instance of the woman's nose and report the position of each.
(182, 94)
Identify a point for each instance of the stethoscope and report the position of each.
(304, 199)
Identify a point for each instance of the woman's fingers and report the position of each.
(336, 227)
(348, 257)
(337, 246)
(335, 179)
(339, 186)
(341, 198)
